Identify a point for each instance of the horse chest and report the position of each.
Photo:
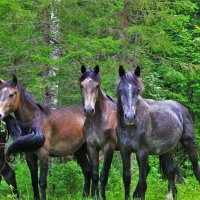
(128, 140)
(95, 136)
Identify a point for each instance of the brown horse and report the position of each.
(99, 126)
(5, 170)
(62, 130)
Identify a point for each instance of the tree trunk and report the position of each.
(46, 35)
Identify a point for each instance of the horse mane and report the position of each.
(26, 95)
(89, 73)
(25, 138)
(26, 143)
(110, 98)
(131, 78)
(43, 108)
(16, 128)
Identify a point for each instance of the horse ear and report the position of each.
(14, 80)
(2, 81)
(83, 69)
(96, 69)
(121, 71)
(137, 71)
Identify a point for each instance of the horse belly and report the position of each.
(164, 141)
(66, 147)
(166, 132)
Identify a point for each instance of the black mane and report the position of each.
(110, 98)
(89, 73)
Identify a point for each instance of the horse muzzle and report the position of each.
(89, 111)
(129, 119)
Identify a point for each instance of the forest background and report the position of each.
(44, 42)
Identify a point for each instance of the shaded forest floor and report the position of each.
(65, 182)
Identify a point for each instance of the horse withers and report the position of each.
(99, 126)
(147, 127)
(61, 128)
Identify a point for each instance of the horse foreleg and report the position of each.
(148, 167)
(108, 156)
(94, 162)
(148, 170)
(86, 169)
(9, 175)
(43, 175)
(126, 160)
(140, 190)
(32, 161)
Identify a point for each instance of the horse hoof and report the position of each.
(169, 196)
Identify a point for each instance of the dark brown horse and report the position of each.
(62, 130)
(151, 127)
(99, 126)
(5, 170)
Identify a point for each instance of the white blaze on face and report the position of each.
(88, 94)
(2, 113)
(129, 86)
(2, 104)
(130, 98)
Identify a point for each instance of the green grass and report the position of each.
(65, 182)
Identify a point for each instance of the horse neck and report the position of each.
(101, 106)
(142, 108)
(120, 112)
(27, 111)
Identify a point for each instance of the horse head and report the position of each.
(9, 96)
(128, 90)
(90, 86)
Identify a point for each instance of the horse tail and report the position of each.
(188, 142)
(13, 126)
(26, 143)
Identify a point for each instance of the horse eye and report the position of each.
(11, 95)
(97, 86)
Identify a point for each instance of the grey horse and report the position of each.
(151, 127)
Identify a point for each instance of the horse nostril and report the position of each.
(1, 116)
(92, 110)
(130, 116)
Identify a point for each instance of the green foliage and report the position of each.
(161, 36)
(65, 181)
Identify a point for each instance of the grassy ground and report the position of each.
(65, 182)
